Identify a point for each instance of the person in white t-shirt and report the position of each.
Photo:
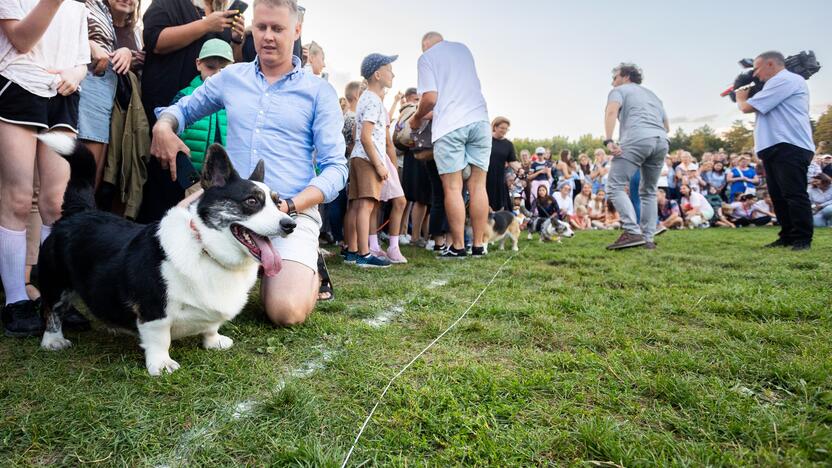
(695, 208)
(564, 198)
(461, 134)
(43, 53)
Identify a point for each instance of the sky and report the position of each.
(546, 64)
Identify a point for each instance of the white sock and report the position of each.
(44, 232)
(394, 242)
(374, 242)
(13, 264)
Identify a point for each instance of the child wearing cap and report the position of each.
(370, 167)
(215, 55)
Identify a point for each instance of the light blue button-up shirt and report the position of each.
(282, 124)
(782, 112)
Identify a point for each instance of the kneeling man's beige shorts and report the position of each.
(301, 245)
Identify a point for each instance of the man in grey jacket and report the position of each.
(643, 147)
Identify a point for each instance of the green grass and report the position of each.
(709, 351)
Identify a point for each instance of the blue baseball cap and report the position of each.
(373, 62)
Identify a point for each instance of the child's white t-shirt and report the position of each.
(370, 108)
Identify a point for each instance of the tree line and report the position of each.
(738, 138)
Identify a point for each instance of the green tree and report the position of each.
(679, 140)
(823, 129)
(739, 138)
(704, 139)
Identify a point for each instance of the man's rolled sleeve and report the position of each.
(329, 143)
(205, 100)
(775, 91)
(426, 81)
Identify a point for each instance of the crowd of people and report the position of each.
(193, 73)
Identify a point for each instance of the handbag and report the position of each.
(423, 146)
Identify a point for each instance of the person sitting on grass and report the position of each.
(763, 207)
(597, 208)
(670, 217)
(612, 220)
(743, 212)
(585, 197)
(580, 220)
(564, 199)
(722, 218)
(215, 55)
(820, 194)
(695, 208)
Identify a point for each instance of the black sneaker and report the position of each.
(778, 243)
(798, 246)
(22, 319)
(452, 253)
(478, 252)
(439, 248)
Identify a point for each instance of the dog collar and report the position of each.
(195, 232)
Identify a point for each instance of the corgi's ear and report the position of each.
(217, 170)
(259, 172)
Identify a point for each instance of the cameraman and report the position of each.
(783, 140)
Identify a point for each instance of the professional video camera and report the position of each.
(804, 64)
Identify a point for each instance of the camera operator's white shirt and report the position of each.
(782, 112)
(448, 68)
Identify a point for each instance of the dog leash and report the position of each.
(415, 358)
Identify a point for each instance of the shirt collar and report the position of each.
(296, 72)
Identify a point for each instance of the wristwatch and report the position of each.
(290, 205)
(606, 142)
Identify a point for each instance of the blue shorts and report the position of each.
(96, 106)
(470, 144)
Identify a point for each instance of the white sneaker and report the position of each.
(404, 240)
(429, 245)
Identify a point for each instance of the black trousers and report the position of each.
(786, 167)
(761, 221)
(438, 222)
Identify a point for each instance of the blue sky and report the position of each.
(546, 64)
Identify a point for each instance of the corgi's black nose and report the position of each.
(288, 225)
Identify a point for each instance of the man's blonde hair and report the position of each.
(292, 5)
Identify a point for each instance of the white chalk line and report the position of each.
(244, 408)
(415, 358)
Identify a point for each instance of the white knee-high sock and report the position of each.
(13, 264)
(45, 231)
(373, 241)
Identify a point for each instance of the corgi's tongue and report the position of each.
(269, 257)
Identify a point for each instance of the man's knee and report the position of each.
(288, 310)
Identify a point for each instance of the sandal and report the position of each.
(325, 292)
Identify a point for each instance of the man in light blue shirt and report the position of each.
(281, 114)
(783, 141)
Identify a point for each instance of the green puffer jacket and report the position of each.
(202, 133)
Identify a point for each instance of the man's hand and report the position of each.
(219, 20)
(121, 60)
(741, 94)
(614, 148)
(381, 170)
(166, 145)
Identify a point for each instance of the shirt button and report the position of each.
(254, 151)
(257, 130)
(261, 112)
(267, 94)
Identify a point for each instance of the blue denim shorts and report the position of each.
(96, 106)
(470, 144)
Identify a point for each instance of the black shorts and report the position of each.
(20, 107)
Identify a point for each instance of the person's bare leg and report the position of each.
(290, 296)
(478, 205)
(364, 210)
(403, 222)
(99, 152)
(417, 218)
(18, 147)
(396, 216)
(454, 207)
(53, 174)
(349, 228)
(350, 234)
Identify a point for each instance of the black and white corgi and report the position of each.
(185, 275)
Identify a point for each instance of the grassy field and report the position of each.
(708, 351)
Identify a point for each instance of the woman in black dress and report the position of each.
(502, 154)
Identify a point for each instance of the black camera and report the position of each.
(804, 64)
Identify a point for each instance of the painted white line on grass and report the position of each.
(244, 408)
(415, 358)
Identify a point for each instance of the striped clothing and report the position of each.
(100, 25)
